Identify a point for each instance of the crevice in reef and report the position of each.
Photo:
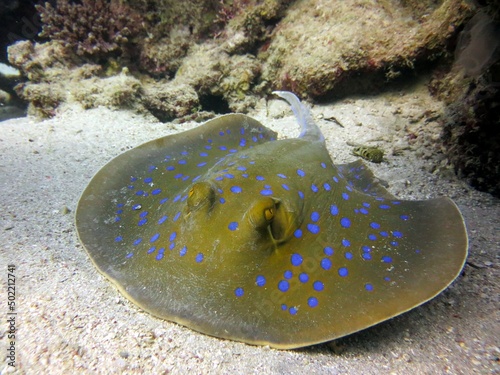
(214, 103)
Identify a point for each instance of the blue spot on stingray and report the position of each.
(364, 211)
(318, 286)
(117, 219)
(346, 242)
(304, 277)
(284, 307)
(259, 178)
(335, 179)
(176, 217)
(348, 255)
(280, 175)
(156, 191)
(301, 195)
(326, 264)
(173, 236)
(366, 249)
(159, 256)
(177, 176)
(369, 287)
(243, 142)
(301, 173)
(348, 188)
(293, 310)
(375, 225)
(233, 225)
(219, 178)
(366, 256)
(296, 260)
(345, 222)
(397, 234)
(260, 280)
(202, 164)
(238, 292)
(154, 237)
(222, 148)
(203, 154)
(285, 186)
(327, 186)
(142, 222)
(177, 198)
(404, 217)
(288, 274)
(235, 189)
(139, 192)
(315, 216)
(298, 233)
(148, 180)
(244, 175)
(241, 168)
(345, 196)
(137, 241)
(184, 153)
(313, 228)
(183, 251)
(328, 251)
(386, 259)
(365, 204)
(334, 210)
(199, 258)
(323, 165)
(229, 175)
(343, 272)
(283, 285)
(222, 200)
(132, 179)
(163, 200)
(143, 214)
(171, 246)
(182, 162)
(151, 249)
(312, 302)
(384, 206)
(266, 192)
(384, 234)
(314, 188)
(394, 243)
(372, 237)
(118, 239)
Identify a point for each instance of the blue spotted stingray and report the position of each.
(233, 233)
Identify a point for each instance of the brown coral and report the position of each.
(94, 29)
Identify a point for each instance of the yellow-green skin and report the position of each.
(277, 229)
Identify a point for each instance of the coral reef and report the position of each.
(319, 49)
(471, 91)
(230, 52)
(94, 29)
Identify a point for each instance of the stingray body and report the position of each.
(238, 235)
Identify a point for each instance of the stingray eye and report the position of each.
(199, 195)
(269, 213)
(271, 217)
(262, 213)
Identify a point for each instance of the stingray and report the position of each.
(233, 233)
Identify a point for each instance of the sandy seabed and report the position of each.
(70, 319)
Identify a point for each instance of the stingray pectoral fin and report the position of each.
(406, 269)
(172, 163)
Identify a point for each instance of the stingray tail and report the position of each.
(310, 130)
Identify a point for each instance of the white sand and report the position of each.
(72, 320)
